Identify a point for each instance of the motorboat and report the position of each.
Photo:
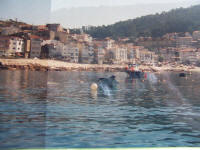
(133, 71)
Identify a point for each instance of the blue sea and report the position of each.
(58, 110)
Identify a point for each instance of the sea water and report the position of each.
(58, 110)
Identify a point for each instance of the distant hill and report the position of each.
(176, 20)
(106, 15)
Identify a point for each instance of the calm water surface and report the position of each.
(57, 109)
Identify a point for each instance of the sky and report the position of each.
(57, 4)
(76, 13)
(31, 11)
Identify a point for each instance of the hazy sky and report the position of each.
(31, 11)
(84, 12)
(57, 4)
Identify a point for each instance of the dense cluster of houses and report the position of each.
(182, 48)
(52, 41)
(187, 50)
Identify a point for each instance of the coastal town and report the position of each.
(53, 42)
(99, 74)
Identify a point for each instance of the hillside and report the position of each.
(106, 15)
(176, 20)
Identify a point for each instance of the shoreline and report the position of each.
(56, 65)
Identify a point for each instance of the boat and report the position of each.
(182, 74)
(133, 71)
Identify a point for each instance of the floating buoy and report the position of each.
(94, 86)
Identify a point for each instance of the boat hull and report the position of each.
(135, 74)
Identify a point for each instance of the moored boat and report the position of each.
(133, 71)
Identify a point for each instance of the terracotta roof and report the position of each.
(34, 37)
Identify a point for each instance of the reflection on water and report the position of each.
(22, 109)
(57, 109)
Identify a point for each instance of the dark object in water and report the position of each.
(182, 74)
(110, 82)
(107, 86)
(1, 66)
(133, 71)
(135, 74)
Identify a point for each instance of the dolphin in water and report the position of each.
(107, 85)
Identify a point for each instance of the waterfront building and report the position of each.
(35, 43)
(87, 54)
(189, 55)
(17, 45)
(146, 57)
(55, 49)
(169, 54)
(11, 46)
(131, 53)
(73, 52)
(131, 56)
(120, 54)
(100, 55)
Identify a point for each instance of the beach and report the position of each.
(56, 65)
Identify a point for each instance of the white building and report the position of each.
(146, 57)
(120, 54)
(108, 43)
(73, 53)
(16, 45)
(100, 55)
